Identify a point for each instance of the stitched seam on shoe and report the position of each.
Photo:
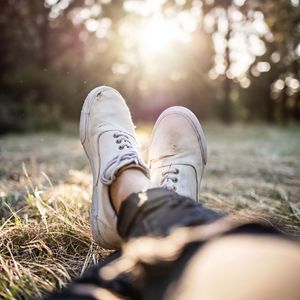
(89, 106)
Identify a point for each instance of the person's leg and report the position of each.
(242, 266)
(177, 158)
(108, 137)
(121, 184)
(155, 212)
(128, 182)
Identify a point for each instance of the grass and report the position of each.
(45, 190)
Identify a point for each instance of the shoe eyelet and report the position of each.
(176, 171)
(118, 142)
(115, 135)
(175, 179)
(121, 147)
(174, 188)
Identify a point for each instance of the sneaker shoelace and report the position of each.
(123, 140)
(130, 156)
(169, 178)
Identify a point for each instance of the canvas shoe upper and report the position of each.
(178, 152)
(107, 135)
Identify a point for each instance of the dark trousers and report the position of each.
(154, 256)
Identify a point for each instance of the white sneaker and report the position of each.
(178, 152)
(107, 135)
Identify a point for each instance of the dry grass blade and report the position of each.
(253, 172)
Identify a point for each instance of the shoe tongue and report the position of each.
(129, 159)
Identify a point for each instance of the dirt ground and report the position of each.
(253, 171)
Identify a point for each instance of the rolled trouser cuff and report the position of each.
(156, 212)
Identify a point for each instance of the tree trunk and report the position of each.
(227, 105)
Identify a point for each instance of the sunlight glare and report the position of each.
(154, 37)
(159, 34)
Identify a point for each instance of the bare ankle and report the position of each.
(129, 181)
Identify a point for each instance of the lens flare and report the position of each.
(157, 35)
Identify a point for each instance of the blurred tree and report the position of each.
(32, 64)
(281, 96)
(224, 24)
(202, 54)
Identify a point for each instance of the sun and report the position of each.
(155, 36)
(158, 34)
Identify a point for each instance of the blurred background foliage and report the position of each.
(224, 59)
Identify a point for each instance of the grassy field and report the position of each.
(45, 189)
